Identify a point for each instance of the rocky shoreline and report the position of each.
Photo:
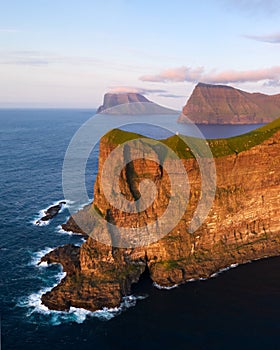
(242, 225)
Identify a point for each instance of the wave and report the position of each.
(34, 303)
(35, 261)
(215, 274)
(158, 286)
(69, 233)
(38, 310)
(36, 220)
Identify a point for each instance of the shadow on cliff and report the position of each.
(144, 285)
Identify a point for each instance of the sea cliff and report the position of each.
(242, 225)
(222, 104)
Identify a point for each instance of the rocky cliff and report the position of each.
(243, 223)
(219, 104)
(130, 103)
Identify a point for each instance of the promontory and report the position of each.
(242, 225)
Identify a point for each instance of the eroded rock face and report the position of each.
(219, 104)
(243, 224)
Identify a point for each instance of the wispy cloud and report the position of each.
(8, 30)
(272, 83)
(255, 75)
(253, 7)
(188, 74)
(171, 96)
(137, 90)
(143, 91)
(175, 75)
(38, 58)
(271, 38)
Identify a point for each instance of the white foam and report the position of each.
(78, 244)
(215, 274)
(34, 304)
(158, 286)
(38, 256)
(37, 222)
(197, 279)
(69, 233)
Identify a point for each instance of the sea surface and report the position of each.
(236, 309)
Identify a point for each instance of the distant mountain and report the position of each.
(220, 104)
(131, 103)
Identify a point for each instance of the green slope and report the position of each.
(219, 147)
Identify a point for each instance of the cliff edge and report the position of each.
(221, 104)
(243, 223)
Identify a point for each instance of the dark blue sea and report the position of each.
(238, 309)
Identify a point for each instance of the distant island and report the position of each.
(131, 103)
(242, 225)
(222, 104)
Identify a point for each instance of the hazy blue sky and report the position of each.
(58, 53)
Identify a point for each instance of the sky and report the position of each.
(69, 53)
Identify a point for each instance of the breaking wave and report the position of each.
(36, 220)
(36, 310)
(158, 286)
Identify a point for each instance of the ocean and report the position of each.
(236, 309)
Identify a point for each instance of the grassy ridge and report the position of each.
(219, 147)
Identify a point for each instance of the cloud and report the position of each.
(272, 38)
(272, 83)
(171, 95)
(143, 91)
(8, 30)
(137, 90)
(187, 74)
(175, 74)
(253, 7)
(38, 58)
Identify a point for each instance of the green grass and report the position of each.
(117, 136)
(186, 147)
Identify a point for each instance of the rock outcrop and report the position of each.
(51, 212)
(243, 223)
(130, 103)
(220, 104)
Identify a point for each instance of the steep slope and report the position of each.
(243, 223)
(131, 103)
(219, 104)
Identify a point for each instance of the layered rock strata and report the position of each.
(243, 223)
